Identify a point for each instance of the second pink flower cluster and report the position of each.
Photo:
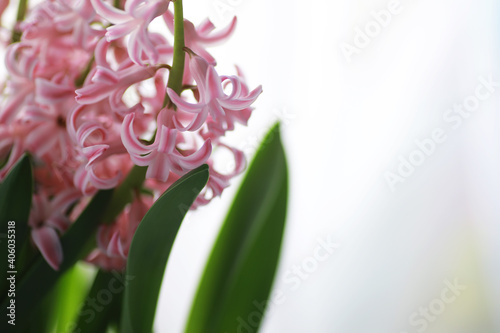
(86, 97)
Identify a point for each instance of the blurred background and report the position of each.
(373, 244)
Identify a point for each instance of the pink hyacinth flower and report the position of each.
(107, 83)
(219, 180)
(133, 21)
(197, 39)
(213, 100)
(102, 260)
(162, 156)
(21, 66)
(114, 240)
(48, 134)
(12, 139)
(47, 119)
(3, 5)
(76, 16)
(45, 218)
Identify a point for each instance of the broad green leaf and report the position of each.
(123, 194)
(151, 247)
(41, 278)
(42, 319)
(15, 202)
(103, 303)
(240, 271)
(58, 309)
(70, 294)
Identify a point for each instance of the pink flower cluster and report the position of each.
(67, 101)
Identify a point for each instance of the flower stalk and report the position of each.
(177, 71)
(21, 13)
(124, 194)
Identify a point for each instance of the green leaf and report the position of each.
(103, 303)
(41, 278)
(15, 203)
(70, 294)
(42, 319)
(58, 309)
(151, 247)
(241, 268)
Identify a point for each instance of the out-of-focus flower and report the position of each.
(86, 88)
(213, 101)
(3, 5)
(134, 22)
(198, 39)
(162, 156)
(47, 217)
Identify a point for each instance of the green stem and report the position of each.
(21, 13)
(123, 195)
(177, 71)
(81, 79)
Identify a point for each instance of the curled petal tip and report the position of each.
(47, 241)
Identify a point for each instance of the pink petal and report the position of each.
(221, 34)
(64, 199)
(197, 158)
(59, 223)
(118, 31)
(159, 168)
(47, 241)
(131, 5)
(100, 52)
(110, 13)
(104, 183)
(194, 125)
(129, 139)
(240, 104)
(48, 92)
(92, 153)
(166, 139)
(113, 245)
(105, 76)
(134, 48)
(213, 83)
(182, 104)
(206, 26)
(92, 93)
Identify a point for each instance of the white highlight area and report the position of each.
(411, 86)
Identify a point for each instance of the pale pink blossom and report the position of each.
(48, 134)
(56, 50)
(162, 156)
(220, 180)
(102, 260)
(106, 83)
(133, 21)
(213, 101)
(104, 174)
(3, 5)
(11, 145)
(102, 155)
(75, 17)
(198, 39)
(47, 218)
(21, 85)
(85, 91)
(115, 239)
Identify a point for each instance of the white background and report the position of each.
(344, 126)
